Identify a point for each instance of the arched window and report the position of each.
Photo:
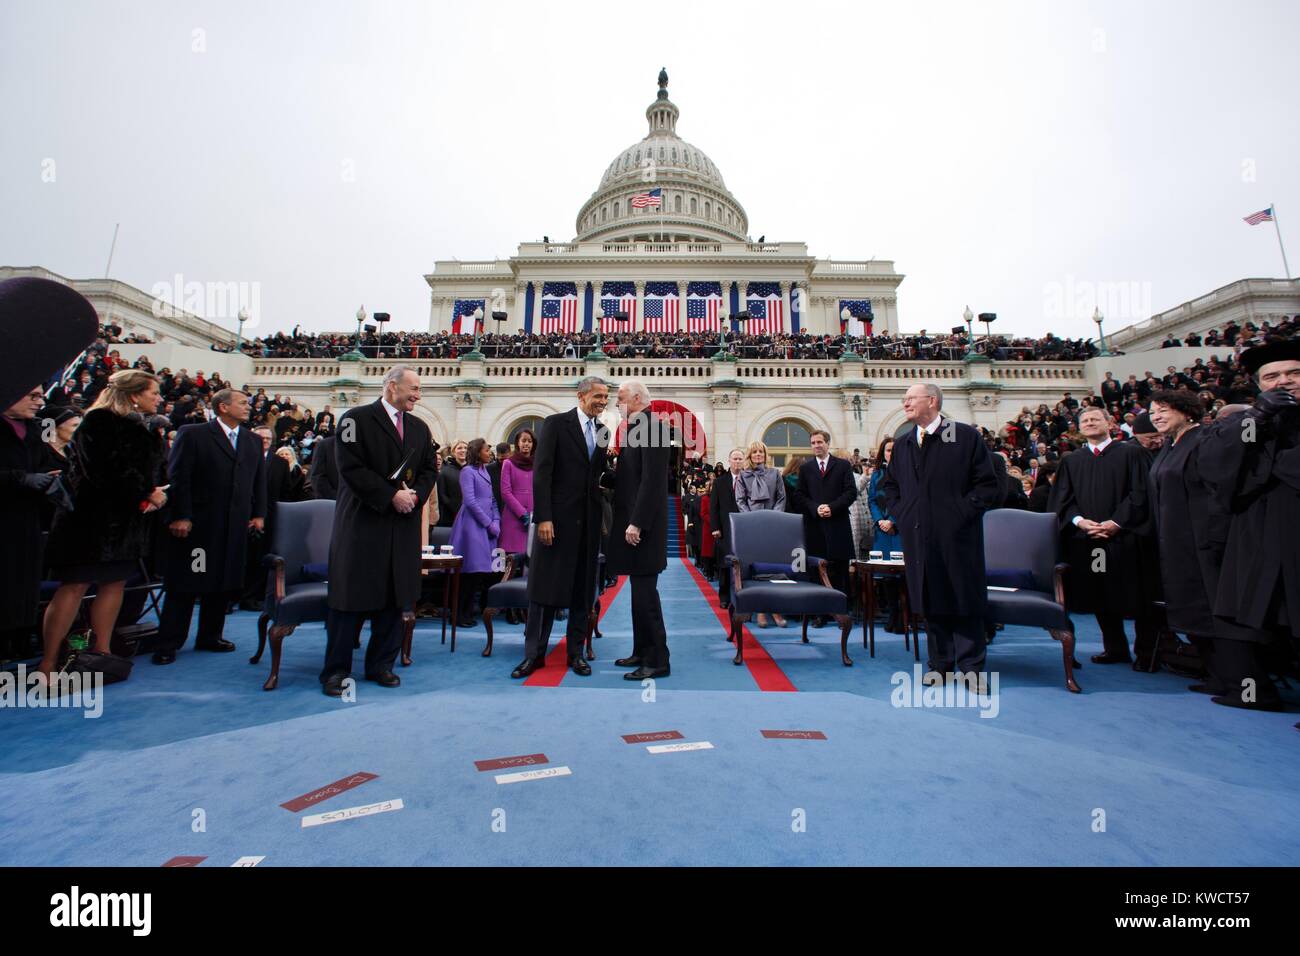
(604, 213)
(674, 154)
(617, 210)
(533, 422)
(785, 438)
(707, 213)
(677, 203)
(694, 209)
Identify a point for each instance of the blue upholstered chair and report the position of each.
(511, 593)
(1021, 550)
(297, 588)
(763, 546)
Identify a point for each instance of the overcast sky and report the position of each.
(1020, 157)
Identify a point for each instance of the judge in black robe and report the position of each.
(1103, 487)
(1252, 460)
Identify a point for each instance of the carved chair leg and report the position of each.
(408, 634)
(845, 622)
(278, 634)
(488, 614)
(263, 620)
(1067, 651)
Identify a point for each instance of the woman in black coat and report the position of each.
(113, 461)
(449, 497)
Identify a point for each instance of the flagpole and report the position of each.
(1278, 229)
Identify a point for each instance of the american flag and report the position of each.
(617, 297)
(860, 324)
(653, 198)
(559, 308)
(703, 305)
(661, 307)
(462, 315)
(1264, 215)
(766, 309)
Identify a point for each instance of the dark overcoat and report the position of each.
(641, 498)
(566, 492)
(20, 515)
(374, 549)
(830, 538)
(220, 489)
(938, 493)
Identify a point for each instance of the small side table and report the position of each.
(441, 564)
(866, 572)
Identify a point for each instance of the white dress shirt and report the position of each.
(392, 411)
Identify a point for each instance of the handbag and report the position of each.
(113, 668)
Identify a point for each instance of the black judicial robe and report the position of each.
(1192, 530)
(374, 550)
(1112, 486)
(641, 498)
(1258, 483)
(566, 492)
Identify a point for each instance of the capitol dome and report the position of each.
(695, 203)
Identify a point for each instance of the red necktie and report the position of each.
(822, 466)
(1096, 452)
(401, 432)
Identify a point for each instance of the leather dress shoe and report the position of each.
(527, 666)
(1111, 659)
(220, 645)
(645, 673)
(628, 662)
(386, 679)
(334, 685)
(580, 667)
(1273, 706)
(164, 657)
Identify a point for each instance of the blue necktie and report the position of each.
(234, 439)
(591, 438)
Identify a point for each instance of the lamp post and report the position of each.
(478, 330)
(355, 355)
(969, 318)
(239, 336)
(846, 317)
(1097, 317)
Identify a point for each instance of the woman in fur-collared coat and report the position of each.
(113, 462)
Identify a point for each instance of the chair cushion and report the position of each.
(302, 603)
(798, 598)
(1011, 578)
(509, 594)
(759, 568)
(317, 571)
(1031, 608)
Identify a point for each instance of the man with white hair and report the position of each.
(638, 538)
(939, 484)
(386, 472)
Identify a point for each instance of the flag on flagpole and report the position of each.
(1264, 215)
(653, 198)
(559, 308)
(703, 305)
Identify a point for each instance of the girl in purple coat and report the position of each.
(517, 494)
(476, 528)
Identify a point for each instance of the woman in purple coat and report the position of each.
(517, 494)
(476, 528)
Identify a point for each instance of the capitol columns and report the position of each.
(517, 306)
(854, 400)
(786, 305)
(726, 429)
(681, 305)
(640, 304)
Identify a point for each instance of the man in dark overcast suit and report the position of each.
(939, 484)
(722, 505)
(823, 495)
(570, 458)
(324, 475)
(638, 540)
(386, 473)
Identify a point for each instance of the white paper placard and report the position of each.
(533, 774)
(351, 813)
(673, 748)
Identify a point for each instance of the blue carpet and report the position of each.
(1179, 780)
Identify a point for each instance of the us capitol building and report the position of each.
(686, 262)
